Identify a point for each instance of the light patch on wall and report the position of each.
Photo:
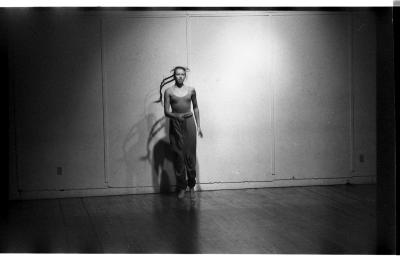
(230, 69)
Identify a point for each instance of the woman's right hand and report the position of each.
(182, 116)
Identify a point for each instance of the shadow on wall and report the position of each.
(148, 141)
(160, 156)
(144, 145)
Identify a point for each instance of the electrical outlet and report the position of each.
(361, 158)
(59, 171)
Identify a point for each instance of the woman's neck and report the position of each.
(179, 91)
(179, 85)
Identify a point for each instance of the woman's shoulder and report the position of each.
(191, 89)
(168, 90)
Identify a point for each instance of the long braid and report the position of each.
(163, 83)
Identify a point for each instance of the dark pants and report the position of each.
(183, 137)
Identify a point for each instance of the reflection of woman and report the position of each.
(182, 131)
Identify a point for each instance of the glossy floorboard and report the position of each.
(304, 220)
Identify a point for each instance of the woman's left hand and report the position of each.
(200, 132)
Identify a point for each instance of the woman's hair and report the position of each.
(179, 67)
(169, 79)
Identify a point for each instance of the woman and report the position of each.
(182, 130)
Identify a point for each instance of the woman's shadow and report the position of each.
(160, 155)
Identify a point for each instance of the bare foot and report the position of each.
(192, 194)
(181, 194)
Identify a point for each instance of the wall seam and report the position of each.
(103, 97)
(272, 100)
(351, 86)
(14, 113)
(187, 41)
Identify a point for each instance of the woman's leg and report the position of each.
(177, 144)
(190, 150)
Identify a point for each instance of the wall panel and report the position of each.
(312, 108)
(364, 83)
(56, 64)
(229, 59)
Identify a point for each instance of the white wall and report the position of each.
(285, 98)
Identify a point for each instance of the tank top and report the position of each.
(181, 104)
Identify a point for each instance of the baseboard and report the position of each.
(51, 194)
(363, 180)
(289, 183)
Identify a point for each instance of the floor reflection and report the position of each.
(177, 222)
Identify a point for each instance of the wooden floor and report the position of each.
(304, 220)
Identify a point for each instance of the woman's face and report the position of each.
(179, 75)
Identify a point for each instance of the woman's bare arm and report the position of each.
(196, 112)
